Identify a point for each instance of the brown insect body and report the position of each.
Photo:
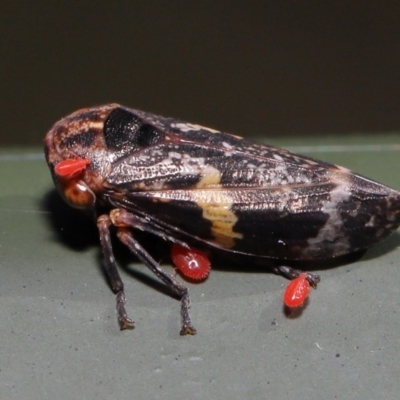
(179, 180)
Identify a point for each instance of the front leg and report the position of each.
(119, 219)
(117, 286)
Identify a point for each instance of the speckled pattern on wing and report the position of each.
(221, 189)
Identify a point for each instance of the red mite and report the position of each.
(296, 291)
(192, 263)
(71, 167)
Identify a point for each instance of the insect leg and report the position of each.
(126, 238)
(292, 273)
(124, 220)
(127, 219)
(117, 286)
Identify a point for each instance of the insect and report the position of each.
(190, 184)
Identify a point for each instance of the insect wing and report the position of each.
(248, 197)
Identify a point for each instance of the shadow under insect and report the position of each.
(77, 230)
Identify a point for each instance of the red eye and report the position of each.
(71, 167)
(296, 291)
(192, 263)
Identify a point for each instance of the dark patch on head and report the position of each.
(148, 135)
(120, 129)
(124, 131)
(84, 139)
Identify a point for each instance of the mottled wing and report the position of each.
(246, 197)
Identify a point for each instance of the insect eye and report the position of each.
(77, 194)
(72, 188)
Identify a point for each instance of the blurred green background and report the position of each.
(252, 68)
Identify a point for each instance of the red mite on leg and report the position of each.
(192, 263)
(296, 291)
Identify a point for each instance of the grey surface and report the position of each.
(60, 338)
